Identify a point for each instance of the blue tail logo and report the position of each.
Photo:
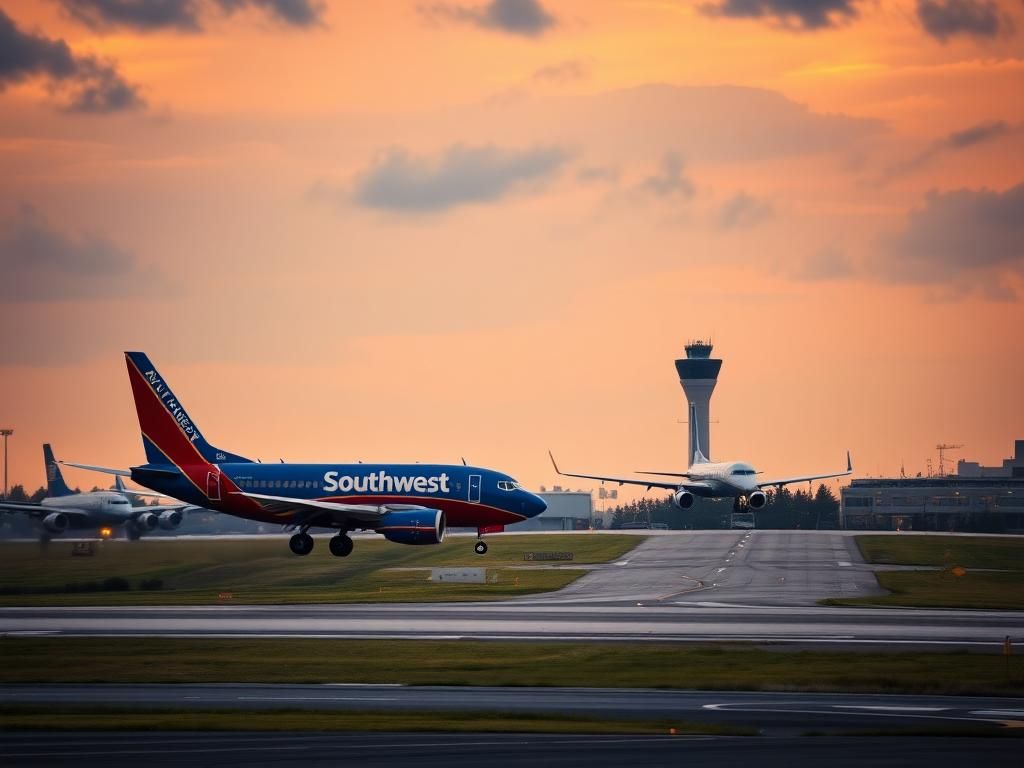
(55, 485)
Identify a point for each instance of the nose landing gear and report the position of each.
(480, 548)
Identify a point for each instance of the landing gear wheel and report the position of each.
(480, 548)
(301, 543)
(341, 545)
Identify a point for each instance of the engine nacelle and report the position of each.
(757, 500)
(147, 521)
(414, 526)
(683, 499)
(170, 519)
(56, 522)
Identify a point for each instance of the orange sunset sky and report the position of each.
(417, 231)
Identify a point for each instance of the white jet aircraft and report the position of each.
(713, 480)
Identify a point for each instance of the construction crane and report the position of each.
(942, 448)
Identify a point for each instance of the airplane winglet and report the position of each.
(554, 463)
(849, 462)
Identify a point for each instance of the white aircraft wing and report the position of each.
(105, 470)
(807, 478)
(38, 510)
(620, 480)
(311, 509)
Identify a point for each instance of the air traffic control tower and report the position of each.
(698, 373)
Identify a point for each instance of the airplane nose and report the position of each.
(539, 504)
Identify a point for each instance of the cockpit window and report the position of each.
(744, 472)
(119, 501)
(509, 485)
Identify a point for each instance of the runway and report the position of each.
(711, 586)
(768, 712)
(428, 750)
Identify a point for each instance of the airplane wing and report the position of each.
(38, 510)
(105, 470)
(620, 480)
(311, 511)
(807, 478)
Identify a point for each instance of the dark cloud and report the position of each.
(40, 263)
(527, 18)
(954, 142)
(90, 85)
(943, 19)
(671, 179)
(966, 237)
(743, 211)
(795, 14)
(185, 15)
(463, 175)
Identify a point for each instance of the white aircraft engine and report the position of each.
(56, 522)
(683, 498)
(170, 519)
(147, 521)
(757, 500)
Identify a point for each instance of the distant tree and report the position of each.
(39, 495)
(17, 493)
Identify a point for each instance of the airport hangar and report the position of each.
(976, 498)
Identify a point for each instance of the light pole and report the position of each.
(6, 433)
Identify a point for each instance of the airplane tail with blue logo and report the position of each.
(55, 485)
(168, 434)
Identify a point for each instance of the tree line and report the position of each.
(785, 509)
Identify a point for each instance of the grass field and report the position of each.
(265, 571)
(997, 552)
(613, 665)
(974, 572)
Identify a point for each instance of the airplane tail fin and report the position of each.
(698, 455)
(55, 485)
(168, 434)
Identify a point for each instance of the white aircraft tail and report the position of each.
(698, 456)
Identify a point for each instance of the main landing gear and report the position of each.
(480, 547)
(341, 545)
(301, 543)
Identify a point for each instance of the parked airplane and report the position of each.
(63, 509)
(407, 503)
(714, 480)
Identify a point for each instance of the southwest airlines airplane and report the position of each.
(407, 503)
(63, 509)
(714, 480)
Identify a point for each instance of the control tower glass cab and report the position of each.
(698, 374)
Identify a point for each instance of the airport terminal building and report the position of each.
(567, 511)
(976, 498)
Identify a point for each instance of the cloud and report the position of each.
(743, 211)
(565, 72)
(793, 14)
(461, 176)
(829, 263)
(966, 237)
(943, 19)
(526, 18)
(41, 264)
(91, 86)
(671, 179)
(594, 174)
(954, 142)
(185, 15)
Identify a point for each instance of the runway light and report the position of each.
(105, 533)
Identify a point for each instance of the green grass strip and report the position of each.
(475, 663)
(996, 552)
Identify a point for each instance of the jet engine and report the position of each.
(56, 522)
(683, 499)
(415, 526)
(170, 519)
(757, 500)
(147, 521)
